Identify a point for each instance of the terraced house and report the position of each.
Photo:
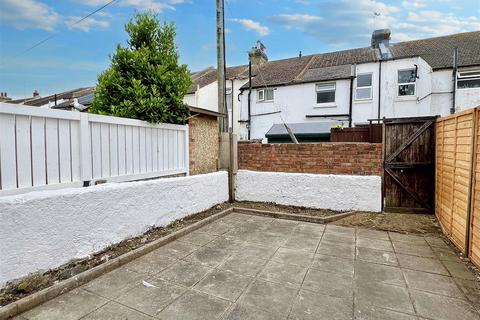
(435, 76)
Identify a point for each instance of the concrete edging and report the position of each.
(49, 293)
(289, 216)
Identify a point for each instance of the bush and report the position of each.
(145, 81)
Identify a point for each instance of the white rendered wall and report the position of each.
(42, 230)
(335, 192)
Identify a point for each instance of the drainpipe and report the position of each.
(379, 88)
(249, 97)
(455, 69)
(232, 81)
(350, 105)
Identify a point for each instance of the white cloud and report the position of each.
(154, 5)
(23, 14)
(349, 23)
(86, 24)
(253, 25)
(414, 4)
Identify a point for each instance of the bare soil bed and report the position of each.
(397, 222)
(286, 209)
(17, 289)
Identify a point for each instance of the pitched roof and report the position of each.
(209, 75)
(337, 65)
(438, 52)
(67, 95)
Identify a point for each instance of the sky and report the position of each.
(74, 55)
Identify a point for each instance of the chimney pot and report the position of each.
(300, 54)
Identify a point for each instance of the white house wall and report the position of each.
(42, 230)
(433, 96)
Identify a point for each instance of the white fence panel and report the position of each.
(44, 149)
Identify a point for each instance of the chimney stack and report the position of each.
(300, 54)
(36, 94)
(381, 41)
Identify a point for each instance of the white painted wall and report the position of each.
(207, 98)
(42, 230)
(433, 97)
(335, 192)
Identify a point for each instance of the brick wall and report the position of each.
(326, 158)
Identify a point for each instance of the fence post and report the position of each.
(187, 149)
(85, 148)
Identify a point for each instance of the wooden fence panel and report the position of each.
(458, 180)
(45, 149)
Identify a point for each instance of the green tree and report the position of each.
(145, 80)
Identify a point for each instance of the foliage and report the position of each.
(145, 80)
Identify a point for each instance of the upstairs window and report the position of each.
(364, 87)
(325, 92)
(468, 79)
(406, 82)
(265, 95)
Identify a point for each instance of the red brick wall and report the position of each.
(326, 158)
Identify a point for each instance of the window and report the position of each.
(406, 82)
(325, 92)
(364, 87)
(468, 79)
(265, 95)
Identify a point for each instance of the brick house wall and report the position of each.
(203, 144)
(324, 158)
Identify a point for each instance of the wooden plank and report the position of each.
(39, 172)
(24, 151)
(96, 150)
(8, 167)
(113, 144)
(52, 156)
(64, 150)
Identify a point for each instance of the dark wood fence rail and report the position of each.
(372, 134)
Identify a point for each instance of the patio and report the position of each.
(250, 267)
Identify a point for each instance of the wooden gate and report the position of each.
(409, 165)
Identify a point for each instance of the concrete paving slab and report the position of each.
(195, 305)
(177, 249)
(114, 311)
(471, 289)
(338, 238)
(312, 305)
(433, 306)
(152, 296)
(377, 256)
(445, 254)
(414, 249)
(216, 228)
(433, 283)
(184, 273)
(287, 274)
(372, 234)
(369, 312)
(327, 283)
(337, 250)
(270, 297)
(436, 242)
(223, 284)
(115, 283)
(384, 296)
(339, 229)
(310, 229)
(243, 264)
(375, 244)
(242, 312)
(293, 256)
(208, 257)
(197, 238)
(70, 306)
(151, 264)
(225, 243)
(366, 272)
(412, 239)
(257, 250)
(422, 264)
(458, 270)
(333, 264)
(267, 239)
(302, 242)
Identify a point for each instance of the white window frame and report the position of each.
(326, 90)
(406, 83)
(365, 87)
(461, 77)
(263, 91)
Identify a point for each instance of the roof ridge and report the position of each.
(438, 37)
